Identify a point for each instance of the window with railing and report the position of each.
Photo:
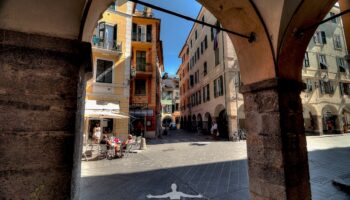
(344, 88)
(322, 61)
(320, 37)
(141, 61)
(218, 87)
(337, 42)
(306, 60)
(341, 64)
(309, 86)
(326, 87)
(105, 37)
(141, 33)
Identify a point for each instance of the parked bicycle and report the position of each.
(239, 135)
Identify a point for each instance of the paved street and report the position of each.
(198, 165)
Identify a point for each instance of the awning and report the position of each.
(103, 109)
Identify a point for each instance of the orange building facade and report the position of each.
(146, 68)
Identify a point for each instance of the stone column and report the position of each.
(276, 143)
(320, 125)
(41, 101)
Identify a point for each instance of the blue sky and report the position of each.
(174, 30)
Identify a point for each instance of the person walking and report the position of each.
(214, 130)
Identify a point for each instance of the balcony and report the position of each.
(113, 46)
(142, 70)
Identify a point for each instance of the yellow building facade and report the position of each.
(107, 93)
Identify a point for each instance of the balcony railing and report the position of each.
(107, 45)
(144, 68)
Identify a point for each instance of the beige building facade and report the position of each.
(209, 75)
(206, 64)
(326, 103)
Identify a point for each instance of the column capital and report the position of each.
(278, 83)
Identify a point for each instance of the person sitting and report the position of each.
(129, 140)
(110, 144)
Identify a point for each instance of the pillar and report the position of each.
(276, 142)
(41, 101)
(320, 125)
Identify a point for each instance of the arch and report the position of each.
(207, 122)
(222, 123)
(166, 120)
(274, 23)
(310, 119)
(218, 109)
(330, 119)
(199, 121)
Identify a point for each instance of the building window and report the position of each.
(212, 34)
(105, 36)
(326, 87)
(322, 61)
(113, 7)
(205, 69)
(140, 87)
(337, 42)
(141, 61)
(104, 69)
(344, 88)
(138, 32)
(341, 64)
(191, 80)
(320, 37)
(309, 86)
(217, 57)
(333, 20)
(195, 35)
(206, 93)
(218, 87)
(206, 42)
(149, 33)
(199, 97)
(306, 60)
(203, 20)
(198, 53)
(191, 43)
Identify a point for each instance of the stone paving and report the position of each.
(199, 165)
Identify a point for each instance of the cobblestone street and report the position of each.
(199, 165)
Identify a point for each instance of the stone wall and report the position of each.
(276, 143)
(38, 102)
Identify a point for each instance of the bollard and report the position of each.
(143, 145)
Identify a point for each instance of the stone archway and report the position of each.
(330, 120)
(207, 123)
(199, 121)
(58, 43)
(310, 120)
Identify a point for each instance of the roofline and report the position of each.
(200, 11)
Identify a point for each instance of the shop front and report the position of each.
(143, 117)
(101, 114)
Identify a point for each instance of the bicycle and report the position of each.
(239, 135)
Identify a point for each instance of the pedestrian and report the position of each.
(214, 130)
(139, 129)
(97, 133)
